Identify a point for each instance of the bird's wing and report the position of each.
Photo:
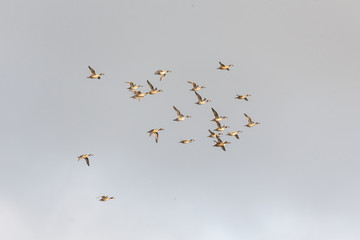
(87, 161)
(211, 132)
(157, 72)
(156, 137)
(222, 65)
(215, 113)
(223, 148)
(219, 139)
(237, 136)
(162, 77)
(198, 96)
(92, 70)
(248, 118)
(218, 124)
(177, 111)
(150, 85)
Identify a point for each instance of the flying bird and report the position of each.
(201, 101)
(86, 157)
(220, 128)
(224, 67)
(162, 73)
(235, 134)
(242, 96)
(250, 122)
(93, 74)
(220, 143)
(152, 89)
(187, 141)
(156, 133)
(213, 135)
(105, 198)
(133, 86)
(180, 117)
(195, 87)
(217, 117)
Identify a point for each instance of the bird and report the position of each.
(133, 86)
(93, 74)
(224, 67)
(242, 96)
(152, 89)
(105, 198)
(235, 133)
(213, 135)
(220, 143)
(195, 87)
(162, 73)
(201, 100)
(180, 117)
(217, 117)
(250, 122)
(186, 141)
(220, 128)
(86, 157)
(156, 133)
(139, 95)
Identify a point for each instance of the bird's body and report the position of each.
(224, 67)
(162, 73)
(250, 122)
(201, 101)
(195, 87)
(213, 135)
(235, 134)
(86, 157)
(220, 128)
(152, 89)
(180, 117)
(105, 198)
(242, 96)
(187, 141)
(220, 143)
(156, 133)
(217, 118)
(93, 74)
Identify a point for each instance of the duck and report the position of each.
(139, 95)
(93, 74)
(250, 122)
(224, 67)
(105, 198)
(234, 133)
(152, 89)
(217, 117)
(156, 133)
(201, 100)
(133, 86)
(242, 96)
(220, 128)
(195, 87)
(162, 73)
(187, 141)
(180, 117)
(220, 143)
(213, 135)
(86, 157)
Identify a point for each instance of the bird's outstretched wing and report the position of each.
(92, 70)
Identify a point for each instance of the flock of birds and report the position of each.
(133, 88)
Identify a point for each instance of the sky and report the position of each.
(293, 177)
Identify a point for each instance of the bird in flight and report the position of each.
(250, 122)
(162, 73)
(156, 133)
(180, 117)
(105, 198)
(86, 157)
(224, 67)
(93, 74)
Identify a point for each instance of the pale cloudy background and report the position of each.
(295, 176)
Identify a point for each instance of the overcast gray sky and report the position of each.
(293, 177)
